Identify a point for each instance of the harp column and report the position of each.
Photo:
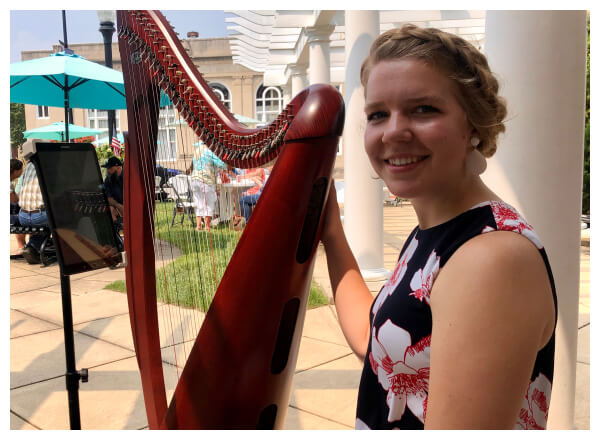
(363, 194)
(318, 53)
(538, 166)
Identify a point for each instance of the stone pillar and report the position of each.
(248, 96)
(363, 197)
(287, 93)
(236, 96)
(540, 59)
(299, 79)
(318, 53)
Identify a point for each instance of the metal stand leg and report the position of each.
(72, 375)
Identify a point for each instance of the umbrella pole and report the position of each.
(66, 89)
(66, 108)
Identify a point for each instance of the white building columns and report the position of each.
(318, 53)
(363, 196)
(299, 79)
(539, 57)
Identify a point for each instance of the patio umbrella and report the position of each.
(67, 80)
(106, 140)
(56, 131)
(44, 81)
(240, 118)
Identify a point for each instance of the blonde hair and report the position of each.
(461, 61)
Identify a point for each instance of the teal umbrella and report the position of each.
(240, 118)
(67, 80)
(44, 81)
(246, 120)
(56, 131)
(106, 140)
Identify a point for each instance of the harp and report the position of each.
(239, 369)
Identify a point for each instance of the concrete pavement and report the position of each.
(325, 382)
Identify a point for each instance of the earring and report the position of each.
(475, 141)
(476, 162)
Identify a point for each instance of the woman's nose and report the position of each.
(397, 129)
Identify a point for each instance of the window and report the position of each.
(42, 112)
(222, 93)
(166, 150)
(98, 119)
(269, 103)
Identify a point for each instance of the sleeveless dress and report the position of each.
(395, 377)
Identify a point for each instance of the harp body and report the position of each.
(239, 370)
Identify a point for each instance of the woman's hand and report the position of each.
(332, 222)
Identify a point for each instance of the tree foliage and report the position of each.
(585, 202)
(17, 124)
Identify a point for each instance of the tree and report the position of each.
(17, 124)
(585, 202)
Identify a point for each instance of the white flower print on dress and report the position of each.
(534, 409)
(422, 280)
(396, 277)
(508, 219)
(402, 369)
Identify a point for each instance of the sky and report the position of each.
(40, 29)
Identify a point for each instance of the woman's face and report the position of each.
(417, 134)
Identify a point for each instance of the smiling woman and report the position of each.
(462, 335)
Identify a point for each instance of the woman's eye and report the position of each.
(425, 109)
(375, 115)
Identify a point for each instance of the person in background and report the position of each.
(113, 184)
(250, 197)
(205, 170)
(16, 171)
(32, 212)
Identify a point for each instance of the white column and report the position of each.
(540, 59)
(299, 79)
(287, 93)
(318, 53)
(363, 196)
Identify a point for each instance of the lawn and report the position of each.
(192, 278)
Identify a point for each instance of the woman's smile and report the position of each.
(417, 132)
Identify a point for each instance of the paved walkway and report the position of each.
(325, 383)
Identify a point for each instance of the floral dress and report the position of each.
(395, 378)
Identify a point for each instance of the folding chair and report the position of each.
(180, 191)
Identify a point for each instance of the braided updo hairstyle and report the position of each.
(461, 61)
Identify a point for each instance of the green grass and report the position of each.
(191, 279)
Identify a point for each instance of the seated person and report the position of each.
(250, 197)
(32, 213)
(16, 170)
(113, 184)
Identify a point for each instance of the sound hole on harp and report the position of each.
(221, 228)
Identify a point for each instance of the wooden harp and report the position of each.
(238, 372)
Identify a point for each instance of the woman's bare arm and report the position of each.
(351, 294)
(492, 311)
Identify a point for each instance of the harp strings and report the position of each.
(168, 282)
(184, 279)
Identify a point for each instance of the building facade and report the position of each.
(240, 88)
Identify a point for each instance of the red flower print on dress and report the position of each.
(508, 219)
(422, 281)
(396, 277)
(402, 369)
(534, 409)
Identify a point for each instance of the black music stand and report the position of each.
(82, 229)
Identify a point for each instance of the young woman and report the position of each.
(462, 335)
